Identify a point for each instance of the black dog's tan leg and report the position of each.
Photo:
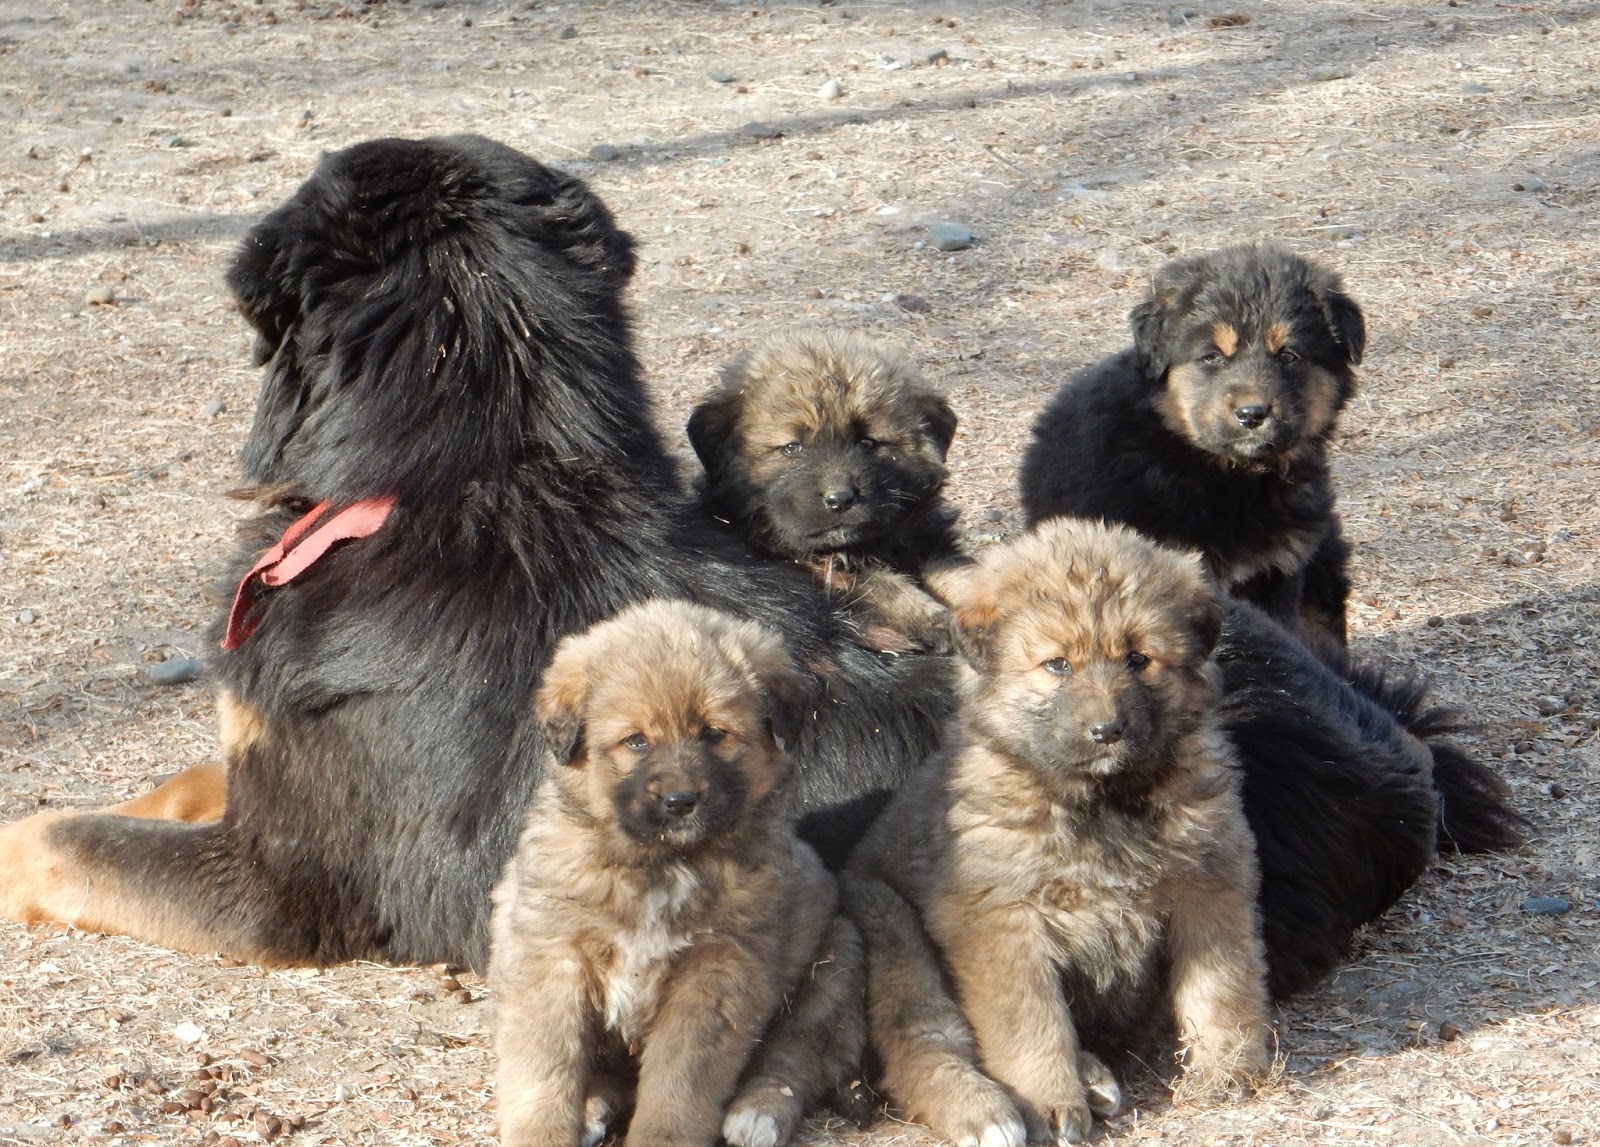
(167, 882)
(197, 795)
(929, 1056)
(1219, 992)
(1009, 984)
(807, 1047)
(544, 1035)
(713, 1010)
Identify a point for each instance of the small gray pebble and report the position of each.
(100, 295)
(1522, 747)
(176, 670)
(1178, 17)
(343, 1092)
(26, 616)
(913, 303)
(950, 236)
(721, 77)
(1546, 905)
(994, 515)
(1557, 790)
(757, 130)
(213, 408)
(1550, 706)
(605, 152)
(566, 32)
(933, 57)
(831, 90)
(1475, 89)
(1329, 72)
(1530, 185)
(1434, 622)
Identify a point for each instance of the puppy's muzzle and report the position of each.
(1252, 415)
(681, 802)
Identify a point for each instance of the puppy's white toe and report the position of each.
(594, 1133)
(1011, 1134)
(747, 1128)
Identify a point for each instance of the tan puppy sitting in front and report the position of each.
(660, 908)
(1078, 857)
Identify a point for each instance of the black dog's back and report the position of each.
(1346, 777)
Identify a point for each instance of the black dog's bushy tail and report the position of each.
(1475, 813)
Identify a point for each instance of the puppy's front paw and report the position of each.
(1066, 1119)
(763, 1116)
(1099, 1085)
(972, 1110)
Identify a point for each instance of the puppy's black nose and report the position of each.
(680, 803)
(1106, 732)
(1252, 416)
(839, 499)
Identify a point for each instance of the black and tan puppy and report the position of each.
(1212, 430)
(1078, 857)
(659, 907)
(829, 450)
(460, 466)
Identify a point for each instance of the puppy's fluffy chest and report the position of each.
(642, 944)
(1095, 879)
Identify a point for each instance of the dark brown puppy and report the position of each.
(1078, 858)
(829, 449)
(659, 907)
(453, 413)
(1212, 431)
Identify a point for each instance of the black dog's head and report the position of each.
(1252, 348)
(822, 444)
(429, 310)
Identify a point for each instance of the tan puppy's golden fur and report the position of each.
(660, 908)
(1079, 853)
(829, 449)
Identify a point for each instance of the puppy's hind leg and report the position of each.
(171, 883)
(930, 1059)
(808, 1047)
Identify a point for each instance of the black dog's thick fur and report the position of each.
(441, 321)
(1351, 784)
(1154, 437)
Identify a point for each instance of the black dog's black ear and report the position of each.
(259, 282)
(938, 420)
(590, 234)
(1344, 317)
(713, 431)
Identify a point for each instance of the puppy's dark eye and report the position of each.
(1287, 357)
(712, 735)
(868, 445)
(1213, 358)
(638, 742)
(1060, 666)
(1137, 661)
(794, 449)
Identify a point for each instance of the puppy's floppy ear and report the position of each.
(938, 421)
(974, 617)
(561, 698)
(1344, 318)
(787, 691)
(713, 430)
(1208, 612)
(1150, 320)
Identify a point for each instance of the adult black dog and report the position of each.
(1212, 430)
(459, 465)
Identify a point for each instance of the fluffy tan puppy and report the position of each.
(660, 911)
(1077, 863)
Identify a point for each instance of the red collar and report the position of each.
(296, 552)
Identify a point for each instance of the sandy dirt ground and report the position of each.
(1444, 156)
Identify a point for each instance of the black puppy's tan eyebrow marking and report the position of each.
(1277, 337)
(1226, 337)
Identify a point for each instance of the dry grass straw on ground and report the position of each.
(1443, 157)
